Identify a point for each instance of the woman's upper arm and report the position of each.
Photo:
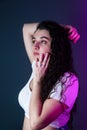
(28, 30)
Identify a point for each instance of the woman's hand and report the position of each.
(73, 34)
(40, 67)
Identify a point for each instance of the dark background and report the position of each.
(15, 67)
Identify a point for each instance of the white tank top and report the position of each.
(68, 97)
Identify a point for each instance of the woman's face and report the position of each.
(41, 40)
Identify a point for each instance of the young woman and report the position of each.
(50, 94)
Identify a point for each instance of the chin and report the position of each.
(36, 58)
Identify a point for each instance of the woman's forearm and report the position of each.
(35, 105)
(37, 118)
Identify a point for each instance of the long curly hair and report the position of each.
(61, 60)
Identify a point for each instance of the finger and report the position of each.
(72, 33)
(45, 59)
(68, 27)
(47, 63)
(76, 39)
(41, 58)
(72, 29)
(36, 62)
(73, 36)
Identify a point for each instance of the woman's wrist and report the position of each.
(36, 82)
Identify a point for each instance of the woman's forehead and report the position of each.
(42, 32)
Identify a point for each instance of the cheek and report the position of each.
(46, 50)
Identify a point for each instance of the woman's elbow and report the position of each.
(24, 28)
(35, 125)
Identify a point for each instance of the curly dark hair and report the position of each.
(61, 60)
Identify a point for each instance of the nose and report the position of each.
(37, 45)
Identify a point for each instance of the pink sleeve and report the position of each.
(70, 91)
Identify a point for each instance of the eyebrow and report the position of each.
(41, 37)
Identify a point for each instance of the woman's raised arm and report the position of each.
(28, 30)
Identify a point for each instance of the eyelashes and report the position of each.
(40, 42)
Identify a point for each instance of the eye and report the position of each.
(33, 41)
(43, 41)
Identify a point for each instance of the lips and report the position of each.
(36, 53)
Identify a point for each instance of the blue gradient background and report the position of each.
(15, 67)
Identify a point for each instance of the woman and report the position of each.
(52, 89)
